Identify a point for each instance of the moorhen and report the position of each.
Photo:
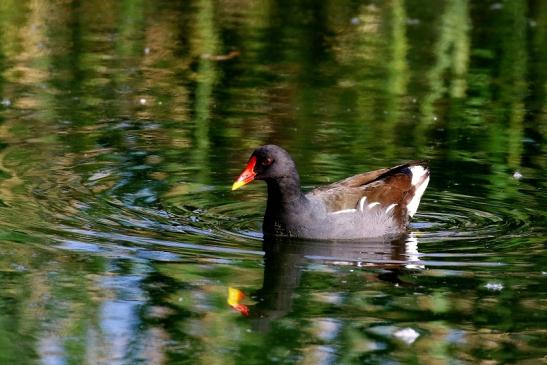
(371, 204)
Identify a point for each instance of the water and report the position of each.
(123, 125)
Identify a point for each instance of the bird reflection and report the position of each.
(285, 260)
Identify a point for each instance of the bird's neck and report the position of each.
(284, 192)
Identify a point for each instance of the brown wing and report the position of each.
(385, 186)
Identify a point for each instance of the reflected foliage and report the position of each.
(123, 123)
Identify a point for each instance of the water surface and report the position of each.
(124, 123)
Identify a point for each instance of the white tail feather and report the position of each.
(420, 179)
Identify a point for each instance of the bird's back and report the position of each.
(371, 204)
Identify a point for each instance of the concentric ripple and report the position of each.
(193, 224)
(455, 216)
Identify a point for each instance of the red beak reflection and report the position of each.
(235, 296)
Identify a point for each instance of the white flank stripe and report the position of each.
(391, 207)
(344, 211)
(362, 203)
(372, 205)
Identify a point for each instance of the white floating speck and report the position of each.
(355, 21)
(496, 6)
(99, 175)
(19, 268)
(6, 102)
(146, 50)
(407, 335)
(494, 286)
(142, 101)
(517, 175)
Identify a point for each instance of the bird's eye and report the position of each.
(266, 162)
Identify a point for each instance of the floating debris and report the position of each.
(411, 21)
(517, 175)
(494, 286)
(142, 101)
(224, 57)
(6, 102)
(496, 6)
(407, 335)
(99, 175)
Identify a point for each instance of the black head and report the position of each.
(269, 162)
(272, 162)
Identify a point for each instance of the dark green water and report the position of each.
(124, 123)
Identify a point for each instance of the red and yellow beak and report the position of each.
(247, 175)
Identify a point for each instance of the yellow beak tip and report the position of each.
(237, 185)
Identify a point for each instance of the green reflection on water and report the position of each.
(122, 125)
